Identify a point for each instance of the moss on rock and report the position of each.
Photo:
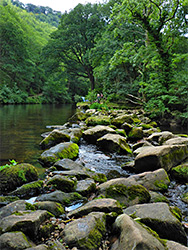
(15, 176)
(98, 120)
(180, 172)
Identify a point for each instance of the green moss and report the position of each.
(135, 133)
(94, 238)
(185, 197)
(161, 184)
(29, 206)
(8, 199)
(98, 120)
(180, 172)
(145, 126)
(126, 195)
(121, 132)
(98, 177)
(71, 152)
(176, 212)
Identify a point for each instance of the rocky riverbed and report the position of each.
(113, 181)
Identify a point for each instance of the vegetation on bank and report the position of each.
(129, 51)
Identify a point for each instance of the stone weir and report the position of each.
(77, 208)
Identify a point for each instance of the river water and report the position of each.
(21, 127)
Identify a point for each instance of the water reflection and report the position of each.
(21, 127)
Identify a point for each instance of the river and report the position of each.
(21, 127)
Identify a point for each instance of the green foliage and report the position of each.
(11, 164)
(99, 106)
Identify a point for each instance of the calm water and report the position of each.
(21, 127)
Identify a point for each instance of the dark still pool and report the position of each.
(21, 127)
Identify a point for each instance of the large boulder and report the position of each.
(114, 143)
(55, 137)
(98, 120)
(131, 235)
(60, 151)
(62, 183)
(167, 156)
(180, 172)
(15, 176)
(28, 223)
(98, 205)
(120, 120)
(14, 241)
(20, 205)
(124, 192)
(172, 245)
(87, 232)
(161, 137)
(86, 187)
(91, 135)
(159, 218)
(177, 141)
(28, 190)
(53, 207)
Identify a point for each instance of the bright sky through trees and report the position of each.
(59, 5)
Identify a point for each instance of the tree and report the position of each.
(72, 42)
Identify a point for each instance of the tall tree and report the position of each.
(72, 42)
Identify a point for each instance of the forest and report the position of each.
(122, 48)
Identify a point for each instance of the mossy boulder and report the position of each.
(66, 199)
(157, 197)
(105, 205)
(86, 233)
(15, 176)
(120, 120)
(75, 135)
(136, 133)
(54, 208)
(14, 241)
(131, 235)
(81, 115)
(127, 195)
(158, 217)
(28, 190)
(91, 135)
(5, 200)
(180, 172)
(63, 150)
(114, 143)
(62, 183)
(127, 127)
(55, 137)
(98, 120)
(86, 187)
(167, 156)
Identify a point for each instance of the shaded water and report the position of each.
(21, 127)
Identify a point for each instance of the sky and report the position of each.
(59, 5)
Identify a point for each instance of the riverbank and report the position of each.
(105, 203)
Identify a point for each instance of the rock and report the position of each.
(161, 137)
(28, 190)
(11, 208)
(133, 236)
(160, 157)
(63, 150)
(5, 200)
(120, 120)
(91, 135)
(15, 176)
(75, 135)
(55, 137)
(68, 164)
(55, 245)
(171, 245)
(114, 143)
(127, 127)
(79, 174)
(177, 141)
(98, 205)
(98, 120)
(14, 241)
(124, 192)
(180, 172)
(62, 183)
(87, 232)
(142, 143)
(39, 247)
(157, 197)
(159, 218)
(184, 197)
(53, 207)
(136, 133)
(86, 187)
(28, 223)
(65, 199)
(157, 180)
